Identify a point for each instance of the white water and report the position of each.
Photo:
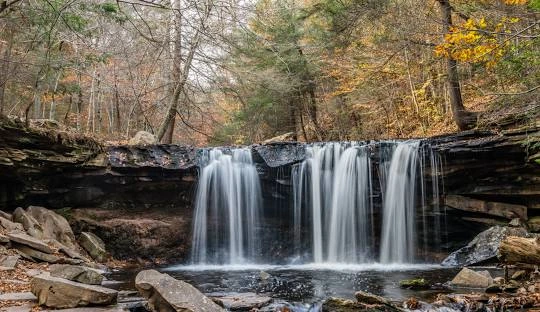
(309, 267)
(333, 187)
(398, 239)
(227, 206)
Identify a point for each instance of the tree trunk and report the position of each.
(4, 69)
(464, 119)
(182, 79)
(515, 250)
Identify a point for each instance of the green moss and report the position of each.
(417, 283)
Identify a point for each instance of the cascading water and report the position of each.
(334, 200)
(398, 239)
(227, 206)
(333, 187)
(339, 215)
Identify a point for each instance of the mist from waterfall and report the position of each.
(227, 208)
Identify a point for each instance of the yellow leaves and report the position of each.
(476, 41)
(515, 2)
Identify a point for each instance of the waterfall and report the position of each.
(333, 187)
(227, 205)
(351, 210)
(398, 240)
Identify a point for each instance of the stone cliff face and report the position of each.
(144, 194)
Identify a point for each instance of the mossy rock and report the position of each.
(416, 284)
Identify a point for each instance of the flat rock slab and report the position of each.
(30, 241)
(76, 273)
(242, 301)
(473, 279)
(57, 292)
(8, 263)
(165, 293)
(22, 296)
(33, 254)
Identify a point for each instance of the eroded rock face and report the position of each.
(94, 246)
(60, 293)
(76, 273)
(165, 293)
(473, 279)
(483, 247)
(150, 234)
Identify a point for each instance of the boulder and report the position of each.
(94, 246)
(27, 240)
(54, 226)
(60, 293)
(8, 263)
(30, 224)
(143, 138)
(472, 279)
(242, 301)
(165, 293)
(10, 226)
(76, 273)
(483, 247)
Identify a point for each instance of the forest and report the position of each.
(217, 72)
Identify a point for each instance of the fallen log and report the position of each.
(513, 250)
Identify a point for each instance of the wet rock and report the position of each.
(94, 246)
(483, 247)
(416, 284)
(472, 279)
(30, 241)
(8, 263)
(264, 275)
(242, 301)
(30, 224)
(165, 293)
(368, 298)
(143, 138)
(54, 226)
(346, 305)
(76, 273)
(57, 292)
(10, 226)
